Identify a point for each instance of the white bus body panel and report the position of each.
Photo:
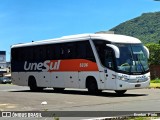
(110, 80)
(43, 79)
(57, 79)
(64, 79)
(78, 80)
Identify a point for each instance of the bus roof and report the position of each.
(113, 38)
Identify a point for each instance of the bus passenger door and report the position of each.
(110, 79)
(110, 68)
(102, 78)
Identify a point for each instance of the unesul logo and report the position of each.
(42, 66)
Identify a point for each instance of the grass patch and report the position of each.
(141, 118)
(154, 85)
(155, 81)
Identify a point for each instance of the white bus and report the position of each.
(93, 61)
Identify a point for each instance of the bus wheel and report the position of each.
(33, 85)
(92, 86)
(120, 92)
(58, 89)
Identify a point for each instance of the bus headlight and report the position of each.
(122, 78)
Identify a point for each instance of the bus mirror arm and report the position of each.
(116, 50)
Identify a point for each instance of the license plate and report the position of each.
(138, 85)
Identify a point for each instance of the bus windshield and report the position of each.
(133, 59)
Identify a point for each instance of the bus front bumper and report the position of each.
(123, 85)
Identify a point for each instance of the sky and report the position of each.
(23, 21)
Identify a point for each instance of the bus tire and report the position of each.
(33, 85)
(120, 92)
(91, 85)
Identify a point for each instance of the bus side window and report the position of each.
(21, 54)
(67, 51)
(15, 54)
(109, 58)
(56, 51)
(25, 54)
(100, 47)
(70, 51)
(40, 53)
(36, 53)
(63, 51)
(89, 52)
(50, 52)
(84, 51)
(81, 50)
(29, 53)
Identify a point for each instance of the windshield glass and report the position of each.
(133, 59)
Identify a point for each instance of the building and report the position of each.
(3, 63)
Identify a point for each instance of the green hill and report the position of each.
(145, 27)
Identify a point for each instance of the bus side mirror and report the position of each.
(115, 48)
(147, 51)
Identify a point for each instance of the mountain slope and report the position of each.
(146, 27)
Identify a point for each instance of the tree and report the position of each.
(154, 50)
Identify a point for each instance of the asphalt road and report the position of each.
(17, 98)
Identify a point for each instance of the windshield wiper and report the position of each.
(131, 59)
(142, 67)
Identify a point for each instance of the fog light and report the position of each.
(120, 85)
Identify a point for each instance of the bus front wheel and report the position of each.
(92, 86)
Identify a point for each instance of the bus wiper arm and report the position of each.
(141, 65)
